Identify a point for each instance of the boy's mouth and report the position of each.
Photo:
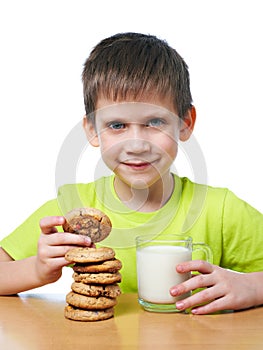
(137, 165)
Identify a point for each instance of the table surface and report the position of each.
(36, 322)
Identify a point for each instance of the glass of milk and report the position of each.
(156, 268)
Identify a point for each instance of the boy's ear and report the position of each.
(90, 131)
(187, 124)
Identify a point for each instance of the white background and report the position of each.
(43, 47)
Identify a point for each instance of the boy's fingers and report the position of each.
(49, 223)
(65, 238)
(195, 265)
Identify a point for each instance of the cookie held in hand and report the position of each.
(89, 222)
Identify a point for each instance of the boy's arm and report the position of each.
(46, 266)
(16, 276)
(224, 289)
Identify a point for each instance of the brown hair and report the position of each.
(132, 65)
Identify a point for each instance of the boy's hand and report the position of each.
(226, 290)
(52, 247)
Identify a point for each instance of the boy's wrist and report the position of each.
(256, 282)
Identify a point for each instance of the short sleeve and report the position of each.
(242, 236)
(22, 242)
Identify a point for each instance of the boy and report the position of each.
(138, 106)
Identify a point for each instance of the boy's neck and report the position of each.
(146, 200)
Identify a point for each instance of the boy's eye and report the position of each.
(116, 125)
(156, 122)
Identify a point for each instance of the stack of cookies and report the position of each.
(95, 288)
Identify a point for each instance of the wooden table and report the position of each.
(36, 322)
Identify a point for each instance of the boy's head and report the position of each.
(131, 66)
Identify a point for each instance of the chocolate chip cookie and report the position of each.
(89, 255)
(98, 278)
(90, 303)
(89, 222)
(113, 265)
(76, 314)
(110, 291)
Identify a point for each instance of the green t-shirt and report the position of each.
(230, 226)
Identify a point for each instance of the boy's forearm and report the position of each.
(18, 276)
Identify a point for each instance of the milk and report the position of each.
(156, 271)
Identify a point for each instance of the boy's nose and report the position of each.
(137, 145)
(137, 141)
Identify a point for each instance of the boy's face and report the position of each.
(138, 140)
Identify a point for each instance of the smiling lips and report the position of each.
(137, 165)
